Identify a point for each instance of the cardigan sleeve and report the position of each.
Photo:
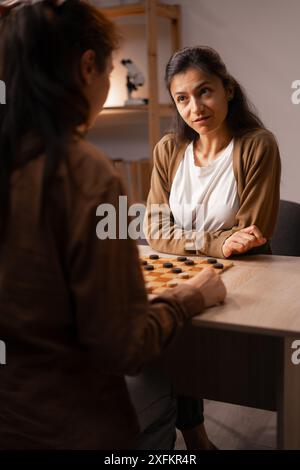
(259, 170)
(114, 320)
(162, 233)
(258, 175)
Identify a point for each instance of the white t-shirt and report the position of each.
(205, 198)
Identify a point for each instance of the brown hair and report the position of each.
(40, 50)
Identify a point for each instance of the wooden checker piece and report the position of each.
(160, 278)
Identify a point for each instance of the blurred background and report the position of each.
(259, 43)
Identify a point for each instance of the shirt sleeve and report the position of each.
(114, 319)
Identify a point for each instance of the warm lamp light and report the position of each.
(118, 91)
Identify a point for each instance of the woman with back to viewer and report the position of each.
(215, 181)
(73, 309)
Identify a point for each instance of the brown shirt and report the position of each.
(256, 166)
(74, 312)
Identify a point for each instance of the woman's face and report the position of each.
(201, 100)
(97, 84)
(100, 89)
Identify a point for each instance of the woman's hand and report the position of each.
(210, 285)
(243, 240)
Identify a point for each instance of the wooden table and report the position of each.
(240, 352)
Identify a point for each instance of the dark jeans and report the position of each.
(189, 412)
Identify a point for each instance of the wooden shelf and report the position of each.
(165, 110)
(165, 11)
(151, 10)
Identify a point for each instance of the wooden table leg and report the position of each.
(288, 425)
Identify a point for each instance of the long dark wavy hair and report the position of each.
(241, 116)
(41, 44)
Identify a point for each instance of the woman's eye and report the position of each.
(205, 91)
(180, 99)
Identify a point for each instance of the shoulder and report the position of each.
(166, 145)
(256, 145)
(259, 138)
(167, 150)
(92, 171)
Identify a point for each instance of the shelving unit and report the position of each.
(151, 10)
(164, 110)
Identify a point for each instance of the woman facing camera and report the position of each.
(215, 182)
(74, 312)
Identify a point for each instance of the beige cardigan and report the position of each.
(256, 166)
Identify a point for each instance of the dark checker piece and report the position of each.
(189, 262)
(149, 267)
(154, 257)
(181, 258)
(176, 270)
(143, 262)
(218, 266)
(168, 265)
(211, 260)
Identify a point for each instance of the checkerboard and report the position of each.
(158, 278)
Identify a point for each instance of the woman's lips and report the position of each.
(202, 119)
